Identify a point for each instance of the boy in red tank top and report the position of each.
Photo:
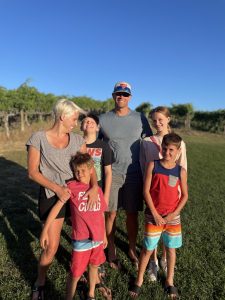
(164, 180)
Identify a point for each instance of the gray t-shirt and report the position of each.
(123, 134)
(55, 162)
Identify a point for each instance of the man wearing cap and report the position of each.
(123, 128)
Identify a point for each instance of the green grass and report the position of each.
(200, 272)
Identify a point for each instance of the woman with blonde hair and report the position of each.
(49, 154)
(151, 150)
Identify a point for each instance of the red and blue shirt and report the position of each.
(164, 188)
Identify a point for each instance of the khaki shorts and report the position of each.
(126, 192)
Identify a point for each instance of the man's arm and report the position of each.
(146, 129)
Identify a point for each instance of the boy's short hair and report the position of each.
(172, 138)
(92, 116)
(81, 159)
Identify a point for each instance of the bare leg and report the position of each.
(93, 273)
(163, 252)
(47, 255)
(132, 230)
(71, 286)
(154, 255)
(171, 261)
(163, 261)
(143, 262)
(153, 266)
(110, 232)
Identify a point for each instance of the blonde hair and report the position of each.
(162, 110)
(64, 107)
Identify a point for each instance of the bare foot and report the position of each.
(115, 264)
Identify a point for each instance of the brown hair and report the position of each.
(81, 159)
(172, 138)
(162, 110)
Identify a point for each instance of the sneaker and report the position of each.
(163, 265)
(152, 271)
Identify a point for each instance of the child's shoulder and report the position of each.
(73, 183)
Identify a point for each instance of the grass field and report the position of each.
(200, 272)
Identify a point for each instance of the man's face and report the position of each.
(121, 99)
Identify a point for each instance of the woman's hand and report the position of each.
(92, 195)
(63, 193)
(44, 240)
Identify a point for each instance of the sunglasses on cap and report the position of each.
(121, 89)
(122, 94)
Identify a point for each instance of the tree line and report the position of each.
(27, 104)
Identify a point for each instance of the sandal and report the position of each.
(135, 291)
(172, 292)
(39, 290)
(104, 290)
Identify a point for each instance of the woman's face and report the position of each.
(69, 122)
(160, 122)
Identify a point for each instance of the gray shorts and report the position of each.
(126, 192)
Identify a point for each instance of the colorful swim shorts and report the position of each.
(171, 233)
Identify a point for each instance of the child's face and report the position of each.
(83, 173)
(170, 152)
(89, 125)
(160, 122)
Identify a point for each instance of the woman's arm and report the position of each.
(51, 217)
(33, 162)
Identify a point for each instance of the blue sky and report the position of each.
(171, 51)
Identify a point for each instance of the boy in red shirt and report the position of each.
(164, 181)
(88, 226)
